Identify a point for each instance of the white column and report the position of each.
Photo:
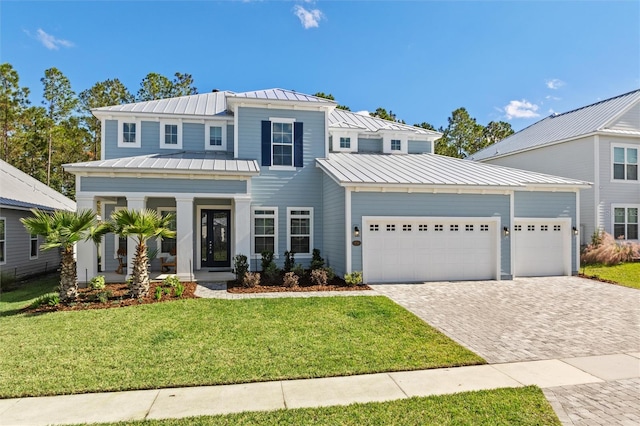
(86, 251)
(184, 238)
(242, 226)
(133, 203)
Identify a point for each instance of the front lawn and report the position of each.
(208, 341)
(626, 274)
(22, 294)
(512, 406)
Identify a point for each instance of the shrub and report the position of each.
(240, 266)
(171, 281)
(318, 277)
(179, 289)
(354, 278)
(103, 296)
(289, 261)
(158, 294)
(267, 260)
(49, 299)
(298, 270)
(251, 279)
(604, 249)
(272, 272)
(290, 280)
(317, 262)
(97, 283)
(330, 273)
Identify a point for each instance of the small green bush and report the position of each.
(179, 289)
(240, 266)
(158, 294)
(289, 261)
(49, 299)
(97, 283)
(103, 296)
(318, 277)
(290, 280)
(317, 262)
(298, 270)
(330, 273)
(171, 281)
(267, 260)
(251, 279)
(354, 278)
(272, 273)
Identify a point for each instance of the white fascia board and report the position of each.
(619, 114)
(162, 174)
(233, 103)
(157, 116)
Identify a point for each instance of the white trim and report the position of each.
(138, 142)
(387, 137)
(347, 232)
(103, 142)
(326, 133)
(311, 225)
(624, 146)
(566, 238)
(625, 207)
(37, 246)
(207, 137)
(253, 254)
(353, 135)
(596, 181)
(576, 238)
(170, 122)
(232, 231)
(164, 174)
(234, 102)
(235, 135)
(159, 240)
(512, 216)
(4, 248)
(288, 120)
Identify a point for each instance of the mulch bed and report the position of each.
(118, 297)
(337, 284)
(597, 278)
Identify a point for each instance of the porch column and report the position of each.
(242, 226)
(184, 238)
(133, 203)
(86, 251)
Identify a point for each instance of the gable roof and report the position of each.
(213, 103)
(589, 119)
(19, 190)
(341, 119)
(432, 170)
(281, 95)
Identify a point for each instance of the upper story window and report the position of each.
(342, 141)
(170, 134)
(345, 142)
(265, 230)
(396, 145)
(625, 163)
(282, 143)
(215, 137)
(3, 240)
(129, 133)
(300, 230)
(625, 223)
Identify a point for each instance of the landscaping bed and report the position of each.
(304, 284)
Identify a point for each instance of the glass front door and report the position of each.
(215, 241)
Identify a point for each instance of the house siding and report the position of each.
(630, 120)
(419, 147)
(18, 248)
(369, 145)
(151, 185)
(435, 205)
(334, 229)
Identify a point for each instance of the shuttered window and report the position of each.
(282, 143)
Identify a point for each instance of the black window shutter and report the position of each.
(297, 144)
(266, 143)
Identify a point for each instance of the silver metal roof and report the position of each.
(18, 189)
(281, 95)
(181, 162)
(431, 169)
(347, 119)
(581, 121)
(213, 103)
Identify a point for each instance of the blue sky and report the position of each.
(502, 60)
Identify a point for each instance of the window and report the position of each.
(215, 137)
(406, 228)
(422, 228)
(625, 223)
(265, 227)
(33, 246)
(531, 227)
(170, 134)
(544, 227)
(345, 142)
(468, 228)
(453, 228)
(168, 245)
(625, 163)
(3, 240)
(300, 225)
(396, 144)
(129, 134)
(282, 143)
(557, 227)
(439, 228)
(374, 228)
(518, 227)
(485, 228)
(391, 228)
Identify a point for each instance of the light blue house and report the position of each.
(279, 170)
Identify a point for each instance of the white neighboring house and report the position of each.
(598, 143)
(20, 254)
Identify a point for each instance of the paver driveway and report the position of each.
(528, 318)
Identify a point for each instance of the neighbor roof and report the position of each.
(19, 190)
(432, 170)
(582, 121)
(180, 162)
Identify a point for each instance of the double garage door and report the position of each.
(417, 249)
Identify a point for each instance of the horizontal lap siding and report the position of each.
(334, 229)
(282, 189)
(151, 185)
(369, 145)
(192, 137)
(435, 205)
(419, 147)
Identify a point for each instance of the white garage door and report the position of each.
(415, 249)
(542, 247)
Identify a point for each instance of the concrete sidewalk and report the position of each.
(210, 400)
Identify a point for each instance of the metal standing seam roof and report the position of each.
(347, 119)
(213, 103)
(190, 162)
(431, 169)
(281, 95)
(18, 189)
(581, 121)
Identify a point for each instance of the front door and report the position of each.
(215, 241)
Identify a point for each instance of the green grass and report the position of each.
(626, 274)
(22, 294)
(513, 406)
(207, 341)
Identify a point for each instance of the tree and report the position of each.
(141, 225)
(495, 131)
(103, 93)
(331, 98)
(425, 125)
(13, 100)
(157, 86)
(59, 101)
(29, 143)
(63, 229)
(382, 113)
(462, 135)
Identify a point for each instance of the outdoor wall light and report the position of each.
(505, 230)
(575, 230)
(356, 232)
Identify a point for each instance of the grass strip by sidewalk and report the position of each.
(206, 342)
(511, 406)
(626, 274)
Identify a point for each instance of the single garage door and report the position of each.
(416, 249)
(542, 247)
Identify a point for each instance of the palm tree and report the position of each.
(141, 225)
(63, 229)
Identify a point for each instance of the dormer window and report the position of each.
(396, 145)
(215, 137)
(345, 142)
(129, 133)
(170, 134)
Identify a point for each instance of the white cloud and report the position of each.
(521, 109)
(308, 18)
(552, 98)
(554, 83)
(363, 112)
(49, 41)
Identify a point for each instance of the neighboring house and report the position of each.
(279, 170)
(598, 143)
(20, 253)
